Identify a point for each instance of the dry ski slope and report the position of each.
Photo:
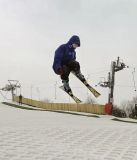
(42, 135)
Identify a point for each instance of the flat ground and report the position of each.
(42, 135)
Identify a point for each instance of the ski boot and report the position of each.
(81, 76)
(66, 86)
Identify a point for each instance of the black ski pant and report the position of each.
(71, 66)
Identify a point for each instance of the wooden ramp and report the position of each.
(87, 108)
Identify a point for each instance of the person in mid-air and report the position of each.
(65, 61)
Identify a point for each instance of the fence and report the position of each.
(88, 108)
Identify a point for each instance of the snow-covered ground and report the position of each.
(42, 135)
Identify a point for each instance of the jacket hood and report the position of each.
(74, 39)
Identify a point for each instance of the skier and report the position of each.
(65, 61)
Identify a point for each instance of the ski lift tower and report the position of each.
(115, 67)
(12, 86)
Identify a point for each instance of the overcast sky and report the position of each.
(31, 30)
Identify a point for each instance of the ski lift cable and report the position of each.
(3, 95)
(124, 86)
(133, 78)
(97, 72)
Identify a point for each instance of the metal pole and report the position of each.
(31, 91)
(112, 81)
(12, 92)
(55, 89)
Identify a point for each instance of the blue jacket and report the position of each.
(65, 53)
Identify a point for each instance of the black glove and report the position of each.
(60, 71)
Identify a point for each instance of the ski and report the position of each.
(71, 95)
(92, 90)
